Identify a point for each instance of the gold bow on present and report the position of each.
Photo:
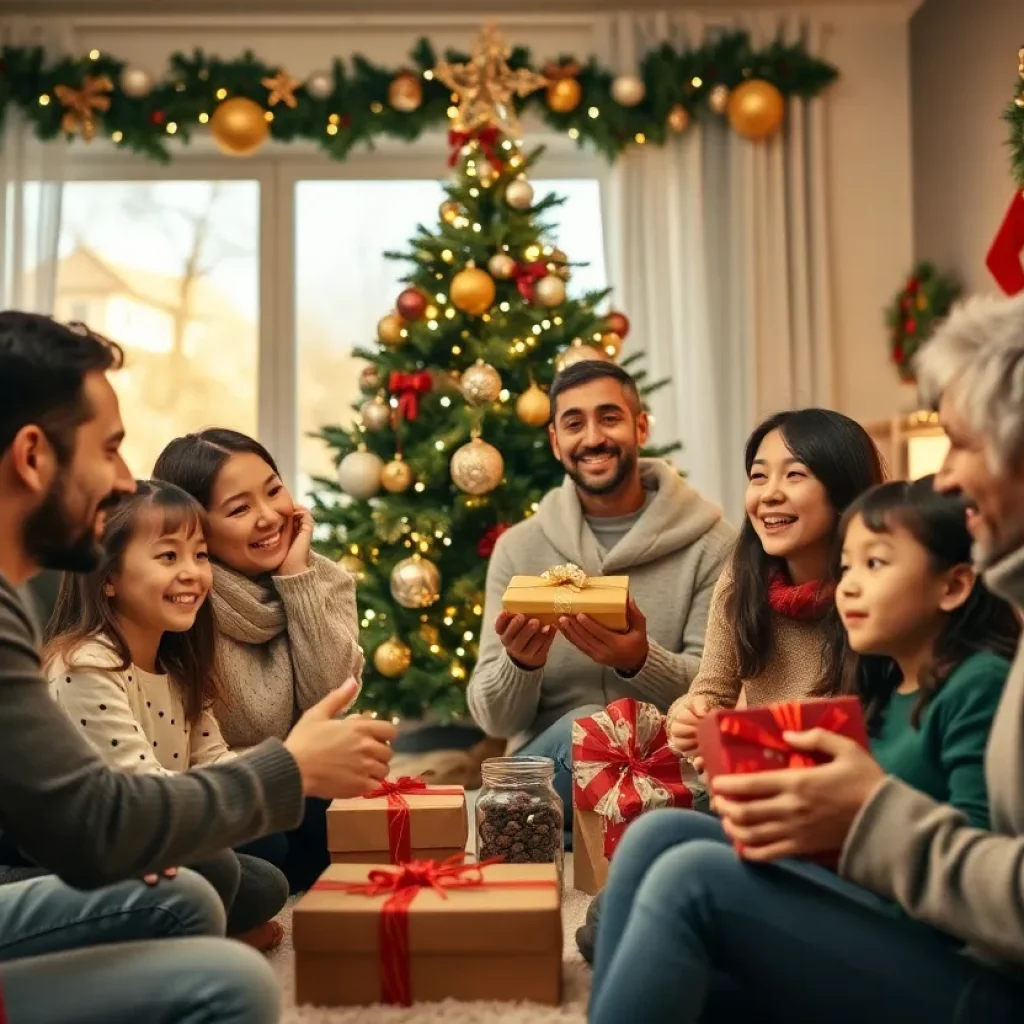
(571, 576)
(82, 105)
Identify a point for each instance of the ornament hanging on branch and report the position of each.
(564, 91)
(473, 291)
(393, 658)
(579, 354)
(82, 106)
(611, 343)
(527, 275)
(320, 85)
(281, 89)
(408, 388)
(756, 109)
(558, 263)
(359, 474)
(550, 291)
(501, 266)
(678, 118)
(718, 98)
(354, 566)
(369, 379)
(519, 194)
(451, 211)
(477, 467)
(411, 304)
(405, 92)
(481, 384)
(135, 82)
(375, 414)
(415, 582)
(396, 477)
(533, 406)
(239, 126)
(628, 90)
(389, 330)
(485, 547)
(617, 323)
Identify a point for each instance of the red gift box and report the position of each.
(734, 742)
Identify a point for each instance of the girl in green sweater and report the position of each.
(929, 646)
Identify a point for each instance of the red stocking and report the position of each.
(1003, 259)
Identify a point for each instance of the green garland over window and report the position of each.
(1014, 117)
(356, 102)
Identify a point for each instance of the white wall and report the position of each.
(869, 134)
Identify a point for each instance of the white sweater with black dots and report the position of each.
(134, 719)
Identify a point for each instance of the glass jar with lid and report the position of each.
(519, 816)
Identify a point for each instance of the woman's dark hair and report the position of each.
(193, 461)
(842, 456)
(85, 613)
(984, 622)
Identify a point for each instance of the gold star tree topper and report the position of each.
(486, 85)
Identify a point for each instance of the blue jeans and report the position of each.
(127, 953)
(689, 932)
(556, 742)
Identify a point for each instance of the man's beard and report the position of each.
(626, 466)
(56, 539)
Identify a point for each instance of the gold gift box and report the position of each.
(548, 598)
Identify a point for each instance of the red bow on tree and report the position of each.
(527, 275)
(485, 548)
(488, 139)
(408, 387)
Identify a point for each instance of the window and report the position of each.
(170, 270)
(343, 287)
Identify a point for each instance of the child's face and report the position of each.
(890, 598)
(786, 503)
(251, 516)
(164, 577)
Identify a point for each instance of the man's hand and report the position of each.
(297, 559)
(624, 652)
(154, 879)
(340, 758)
(801, 811)
(525, 640)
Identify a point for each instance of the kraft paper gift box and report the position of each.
(395, 935)
(567, 590)
(403, 819)
(621, 766)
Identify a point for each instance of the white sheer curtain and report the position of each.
(32, 178)
(719, 251)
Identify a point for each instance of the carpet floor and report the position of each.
(573, 1008)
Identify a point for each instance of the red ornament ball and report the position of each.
(485, 548)
(617, 323)
(158, 117)
(411, 304)
(910, 327)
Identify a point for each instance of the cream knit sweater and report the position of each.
(283, 643)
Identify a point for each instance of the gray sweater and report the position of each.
(673, 555)
(967, 881)
(70, 813)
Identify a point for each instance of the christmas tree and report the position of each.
(450, 447)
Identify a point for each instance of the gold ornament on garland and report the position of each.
(353, 565)
(473, 291)
(486, 86)
(564, 92)
(82, 105)
(533, 406)
(415, 582)
(281, 89)
(135, 82)
(389, 330)
(405, 92)
(628, 90)
(393, 658)
(550, 291)
(239, 126)
(678, 118)
(501, 266)
(320, 84)
(481, 384)
(396, 477)
(756, 109)
(375, 414)
(718, 98)
(579, 354)
(477, 467)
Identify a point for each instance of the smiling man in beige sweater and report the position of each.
(615, 514)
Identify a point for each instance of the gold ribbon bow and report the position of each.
(82, 105)
(571, 576)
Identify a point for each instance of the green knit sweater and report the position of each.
(945, 756)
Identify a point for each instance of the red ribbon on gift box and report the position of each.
(622, 766)
(399, 838)
(407, 388)
(488, 139)
(527, 275)
(404, 884)
(787, 718)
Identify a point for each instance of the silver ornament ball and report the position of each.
(415, 582)
(320, 85)
(136, 82)
(628, 90)
(376, 414)
(550, 291)
(519, 194)
(359, 475)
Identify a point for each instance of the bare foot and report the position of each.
(264, 937)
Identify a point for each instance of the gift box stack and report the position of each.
(567, 590)
(388, 922)
(622, 766)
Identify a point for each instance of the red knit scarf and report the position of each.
(810, 600)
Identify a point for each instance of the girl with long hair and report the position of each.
(130, 658)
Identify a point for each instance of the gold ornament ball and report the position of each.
(550, 291)
(558, 263)
(405, 92)
(533, 407)
(392, 658)
(429, 633)
(486, 173)
(239, 126)
(718, 98)
(389, 330)
(564, 95)
(450, 211)
(375, 414)
(617, 322)
(611, 343)
(756, 109)
(353, 565)
(481, 384)
(501, 266)
(396, 477)
(136, 82)
(473, 291)
(415, 582)
(359, 475)
(678, 118)
(628, 90)
(579, 354)
(477, 467)
(519, 194)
